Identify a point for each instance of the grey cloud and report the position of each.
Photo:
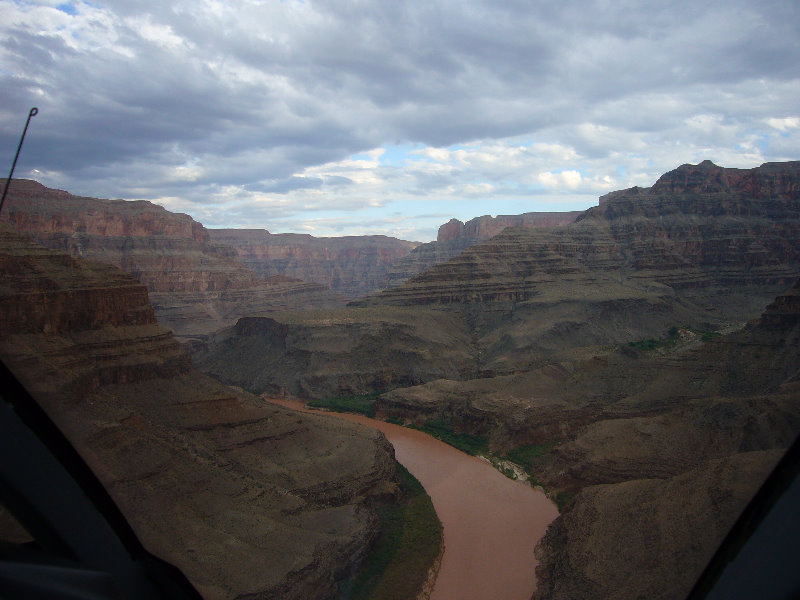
(261, 100)
(286, 185)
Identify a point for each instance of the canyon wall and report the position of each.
(665, 473)
(247, 499)
(196, 286)
(454, 237)
(342, 352)
(353, 266)
(666, 237)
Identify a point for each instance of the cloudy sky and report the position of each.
(371, 116)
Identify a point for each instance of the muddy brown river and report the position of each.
(491, 523)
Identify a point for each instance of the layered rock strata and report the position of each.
(662, 447)
(699, 238)
(454, 237)
(643, 261)
(247, 499)
(196, 286)
(647, 538)
(352, 266)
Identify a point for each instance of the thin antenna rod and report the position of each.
(34, 111)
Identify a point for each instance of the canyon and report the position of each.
(454, 237)
(639, 360)
(247, 499)
(466, 492)
(529, 298)
(356, 266)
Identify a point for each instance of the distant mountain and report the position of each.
(195, 285)
(353, 266)
(454, 237)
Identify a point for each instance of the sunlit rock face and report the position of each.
(247, 499)
(195, 285)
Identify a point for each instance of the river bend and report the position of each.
(490, 523)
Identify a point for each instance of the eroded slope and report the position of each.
(246, 499)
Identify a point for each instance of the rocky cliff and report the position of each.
(353, 266)
(196, 286)
(485, 227)
(681, 455)
(661, 442)
(667, 235)
(454, 237)
(247, 499)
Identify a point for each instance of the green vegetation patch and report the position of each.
(409, 542)
(444, 431)
(524, 455)
(363, 405)
(672, 336)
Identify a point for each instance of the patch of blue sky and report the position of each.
(68, 7)
(398, 154)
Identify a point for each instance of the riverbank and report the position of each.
(491, 522)
(408, 547)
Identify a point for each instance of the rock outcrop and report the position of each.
(454, 237)
(661, 448)
(247, 499)
(196, 286)
(681, 238)
(343, 352)
(352, 266)
(485, 227)
(648, 538)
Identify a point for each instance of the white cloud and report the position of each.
(785, 123)
(285, 113)
(565, 179)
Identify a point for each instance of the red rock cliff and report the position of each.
(352, 266)
(195, 285)
(485, 227)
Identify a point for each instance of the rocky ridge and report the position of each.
(454, 237)
(342, 352)
(247, 499)
(639, 238)
(196, 286)
(352, 266)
